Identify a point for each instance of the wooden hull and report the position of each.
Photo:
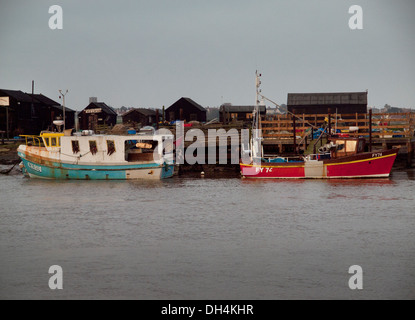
(364, 165)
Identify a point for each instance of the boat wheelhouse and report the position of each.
(86, 156)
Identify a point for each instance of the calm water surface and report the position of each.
(195, 238)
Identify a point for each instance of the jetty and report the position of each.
(294, 134)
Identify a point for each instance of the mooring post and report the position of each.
(295, 135)
(410, 153)
(370, 130)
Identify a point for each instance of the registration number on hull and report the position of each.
(34, 167)
(263, 170)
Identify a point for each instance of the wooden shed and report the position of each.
(187, 110)
(229, 112)
(324, 103)
(28, 113)
(97, 114)
(140, 116)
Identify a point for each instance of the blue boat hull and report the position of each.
(63, 171)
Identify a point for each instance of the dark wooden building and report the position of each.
(187, 110)
(229, 113)
(31, 113)
(324, 103)
(140, 116)
(97, 114)
(55, 111)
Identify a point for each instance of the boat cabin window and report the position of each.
(351, 146)
(140, 150)
(93, 147)
(46, 141)
(347, 146)
(110, 147)
(53, 142)
(341, 146)
(75, 146)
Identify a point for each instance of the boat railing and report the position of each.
(32, 140)
(317, 156)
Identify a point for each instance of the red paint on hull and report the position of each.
(267, 172)
(374, 167)
(366, 165)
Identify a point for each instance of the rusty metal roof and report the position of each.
(337, 98)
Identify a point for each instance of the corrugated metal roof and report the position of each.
(20, 96)
(195, 104)
(236, 109)
(188, 100)
(146, 112)
(103, 106)
(337, 98)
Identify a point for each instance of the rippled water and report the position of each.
(208, 238)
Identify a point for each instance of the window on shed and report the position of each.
(110, 147)
(93, 147)
(193, 116)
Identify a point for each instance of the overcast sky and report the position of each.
(150, 53)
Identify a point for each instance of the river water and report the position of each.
(202, 238)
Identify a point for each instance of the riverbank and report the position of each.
(8, 153)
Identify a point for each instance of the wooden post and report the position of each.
(370, 130)
(295, 136)
(279, 124)
(7, 123)
(157, 119)
(163, 116)
(410, 153)
(329, 130)
(181, 114)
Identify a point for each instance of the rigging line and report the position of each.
(288, 111)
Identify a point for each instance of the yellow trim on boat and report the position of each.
(260, 166)
(328, 164)
(357, 161)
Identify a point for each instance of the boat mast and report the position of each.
(256, 134)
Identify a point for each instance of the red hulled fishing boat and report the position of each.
(341, 157)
